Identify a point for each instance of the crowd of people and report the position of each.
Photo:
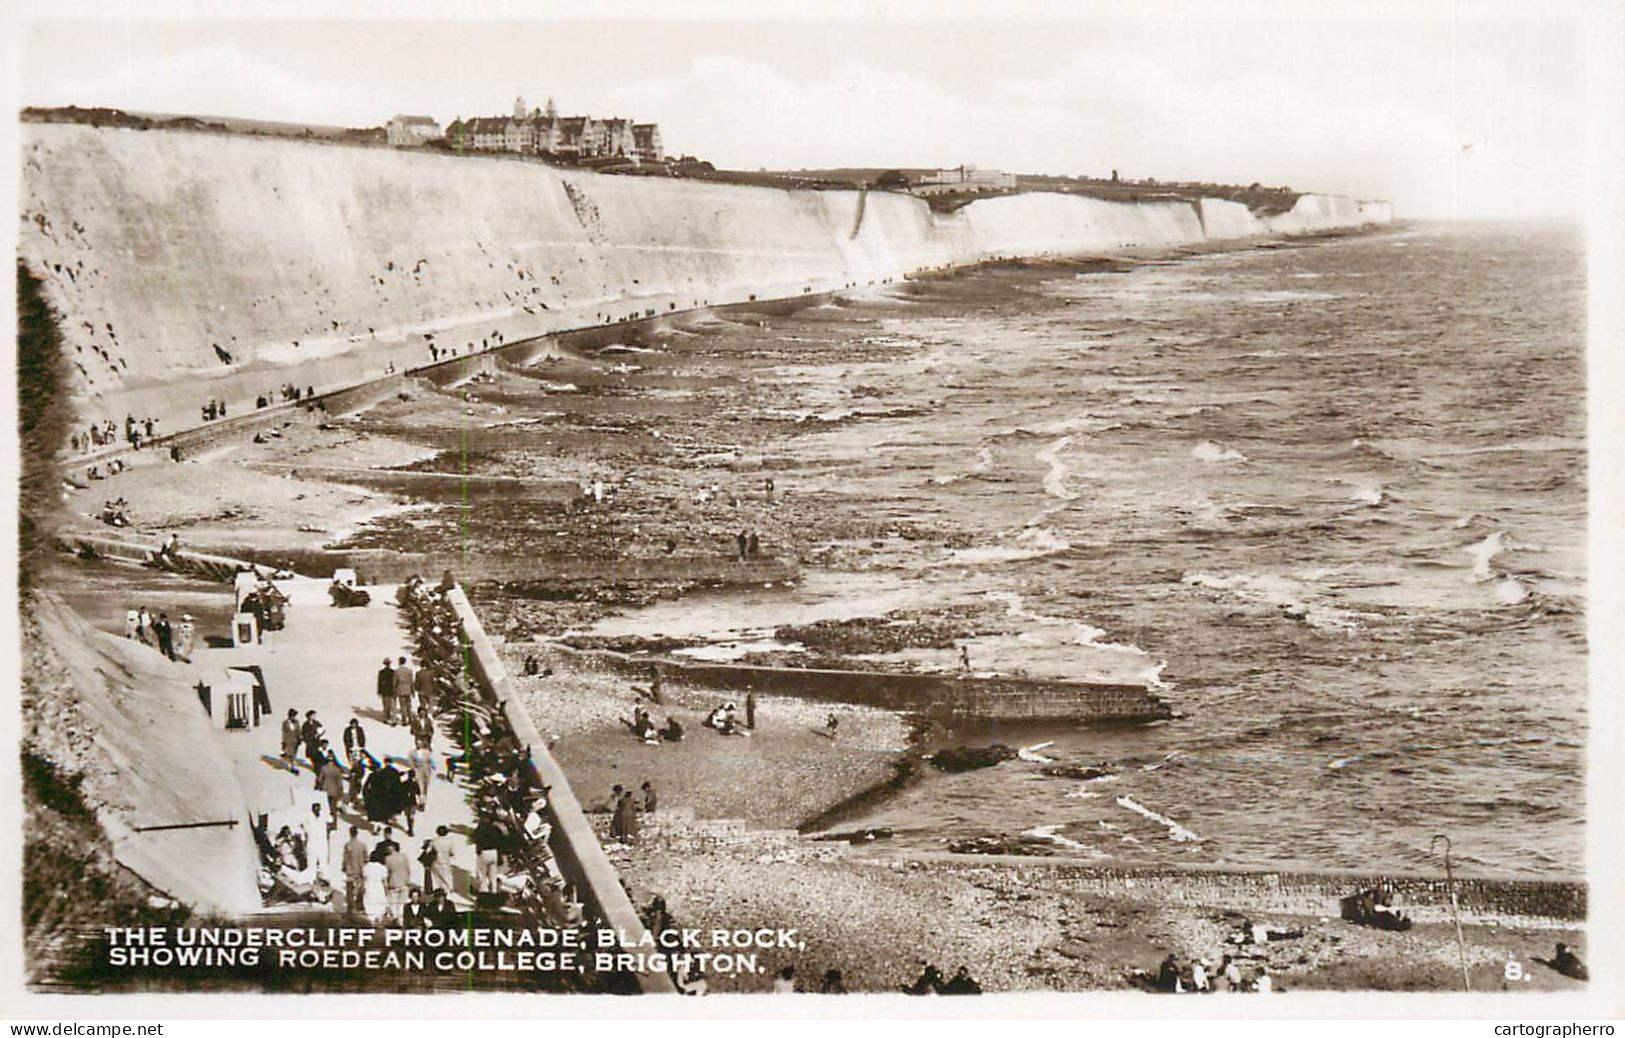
(115, 511)
(268, 605)
(1239, 969)
(625, 807)
(512, 870)
(725, 719)
(288, 392)
(643, 728)
(106, 434)
(1200, 976)
(174, 641)
(514, 866)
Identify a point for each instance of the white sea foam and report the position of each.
(1510, 592)
(1293, 596)
(1052, 834)
(1032, 756)
(1031, 543)
(1209, 451)
(1365, 492)
(1176, 831)
(1482, 552)
(1055, 477)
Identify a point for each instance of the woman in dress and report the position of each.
(374, 901)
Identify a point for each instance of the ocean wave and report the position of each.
(1364, 491)
(1291, 596)
(1482, 553)
(1055, 477)
(1052, 834)
(1032, 756)
(1210, 452)
(1032, 543)
(1176, 831)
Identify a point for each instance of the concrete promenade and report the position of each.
(327, 659)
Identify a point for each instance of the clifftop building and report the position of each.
(408, 130)
(544, 132)
(964, 178)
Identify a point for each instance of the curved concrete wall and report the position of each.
(324, 265)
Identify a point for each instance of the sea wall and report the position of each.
(191, 266)
(1425, 899)
(948, 697)
(575, 845)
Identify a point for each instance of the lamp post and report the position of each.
(1455, 912)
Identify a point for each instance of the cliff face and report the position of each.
(193, 266)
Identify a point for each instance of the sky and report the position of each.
(1462, 115)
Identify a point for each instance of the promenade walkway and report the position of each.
(327, 659)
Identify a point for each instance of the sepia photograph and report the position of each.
(1084, 500)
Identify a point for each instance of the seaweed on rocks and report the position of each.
(969, 758)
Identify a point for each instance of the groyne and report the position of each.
(192, 267)
(946, 697)
(1424, 899)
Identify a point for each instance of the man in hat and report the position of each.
(404, 678)
(386, 690)
(165, 635)
(292, 736)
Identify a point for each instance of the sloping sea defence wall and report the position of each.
(153, 770)
(191, 266)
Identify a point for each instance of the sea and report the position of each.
(1327, 497)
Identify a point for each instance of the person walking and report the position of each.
(165, 635)
(355, 861)
(386, 691)
(422, 762)
(330, 780)
(355, 741)
(743, 540)
(617, 821)
(374, 894)
(311, 732)
(423, 726)
(750, 710)
(292, 736)
(404, 677)
(440, 867)
(185, 633)
(423, 687)
(397, 880)
(629, 823)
